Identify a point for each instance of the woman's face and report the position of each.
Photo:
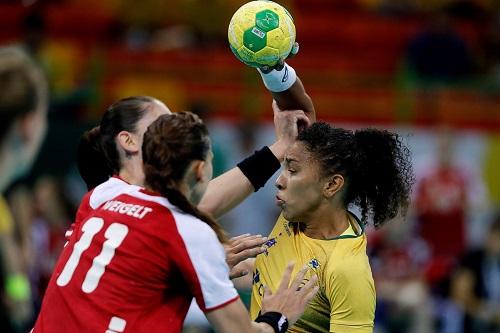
(300, 188)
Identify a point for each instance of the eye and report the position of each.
(291, 171)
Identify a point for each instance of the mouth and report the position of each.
(279, 201)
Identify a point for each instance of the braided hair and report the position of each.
(170, 144)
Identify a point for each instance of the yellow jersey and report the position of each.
(6, 221)
(345, 301)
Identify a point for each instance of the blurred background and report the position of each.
(427, 69)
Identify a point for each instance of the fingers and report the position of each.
(310, 289)
(285, 281)
(303, 119)
(237, 273)
(235, 238)
(247, 242)
(243, 255)
(243, 247)
(299, 278)
(310, 295)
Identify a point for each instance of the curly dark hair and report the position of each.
(170, 144)
(375, 164)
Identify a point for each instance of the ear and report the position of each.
(128, 142)
(199, 170)
(333, 185)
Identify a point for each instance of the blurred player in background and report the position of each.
(140, 258)
(23, 123)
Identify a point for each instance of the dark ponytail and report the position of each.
(170, 144)
(375, 163)
(98, 156)
(383, 175)
(91, 161)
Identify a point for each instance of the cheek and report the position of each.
(304, 194)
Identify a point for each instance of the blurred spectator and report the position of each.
(484, 266)
(53, 215)
(441, 205)
(403, 299)
(439, 53)
(462, 311)
(491, 48)
(23, 112)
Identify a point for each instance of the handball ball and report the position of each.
(261, 33)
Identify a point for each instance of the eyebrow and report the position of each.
(289, 160)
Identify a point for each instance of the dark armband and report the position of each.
(274, 319)
(259, 167)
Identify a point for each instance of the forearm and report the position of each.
(225, 192)
(234, 318)
(228, 190)
(296, 98)
(288, 91)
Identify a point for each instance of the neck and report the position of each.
(6, 165)
(132, 172)
(327, 222)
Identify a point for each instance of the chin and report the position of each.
(287, 215)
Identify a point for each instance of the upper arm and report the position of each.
(203, 265)
(351, 293)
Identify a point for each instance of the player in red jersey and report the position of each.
(136, 261)
(113, 149)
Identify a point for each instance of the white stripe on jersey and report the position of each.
(108, 190)
(206, 253)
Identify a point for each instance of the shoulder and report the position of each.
(188, 226)
(107, 191)
(350, 258)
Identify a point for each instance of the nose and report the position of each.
(280, 182)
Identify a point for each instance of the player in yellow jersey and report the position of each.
(325, 172)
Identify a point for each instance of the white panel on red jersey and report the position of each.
(108, 190)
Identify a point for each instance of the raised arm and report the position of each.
(229, 189)
(287, 89)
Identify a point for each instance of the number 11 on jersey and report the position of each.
(114, 234)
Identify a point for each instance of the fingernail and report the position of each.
(264, 239)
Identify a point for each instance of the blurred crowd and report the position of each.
(437, 270)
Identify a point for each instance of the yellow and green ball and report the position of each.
(260, 33)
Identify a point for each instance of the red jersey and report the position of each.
(133, 264)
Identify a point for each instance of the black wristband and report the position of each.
(259, 167)
(276, 320)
